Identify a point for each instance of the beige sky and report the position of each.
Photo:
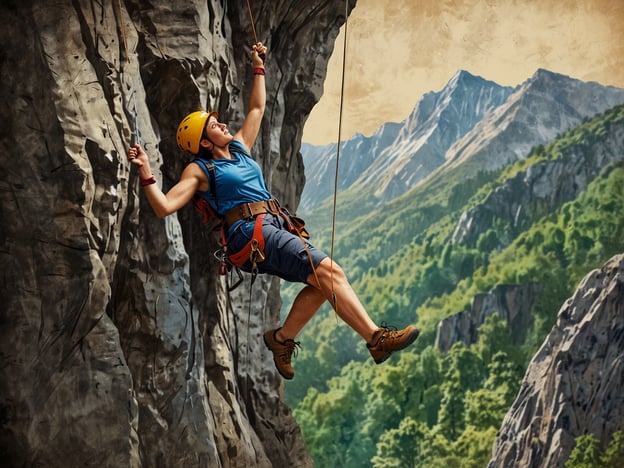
(398, 50)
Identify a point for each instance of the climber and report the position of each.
(225, 174)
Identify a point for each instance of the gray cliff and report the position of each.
(511, 302)
(574, 384)
(119, 346)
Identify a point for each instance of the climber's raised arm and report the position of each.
(257, 100)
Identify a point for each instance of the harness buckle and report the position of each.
(250, 213)
(273, 206)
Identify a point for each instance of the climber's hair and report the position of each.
(204, 153)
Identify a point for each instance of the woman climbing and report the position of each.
(225, 175)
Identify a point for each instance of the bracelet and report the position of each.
(148, 181)
(258, 71)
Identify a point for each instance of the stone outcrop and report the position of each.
(574, 384)
(119, 345)
(544, 106)
(511, 302)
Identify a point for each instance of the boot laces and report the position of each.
(389, 334)
(290, 348)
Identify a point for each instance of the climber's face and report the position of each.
(216, 134)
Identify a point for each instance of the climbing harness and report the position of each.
(253, 251)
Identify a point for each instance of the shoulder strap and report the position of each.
(209, 165)
(213, 182)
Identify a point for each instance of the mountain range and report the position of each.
(522, 206)
(472, 125)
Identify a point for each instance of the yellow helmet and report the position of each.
(191, 130)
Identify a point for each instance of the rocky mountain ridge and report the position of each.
(470, 126)
(358, 154)
(544, 106)
(397, 156)
(437, 121)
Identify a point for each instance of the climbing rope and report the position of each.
(251, 20)
(253, 29)
(340, 113)
(137, 132)
(123, 32)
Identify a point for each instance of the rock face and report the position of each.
(574, 384)
(437, 122)
(119, 345)
(543, 107)
(511, 302)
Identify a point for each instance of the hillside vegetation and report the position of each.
(423, 407)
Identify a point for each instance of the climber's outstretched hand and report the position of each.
(258, 54)
(138, 156)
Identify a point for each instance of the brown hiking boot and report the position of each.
(282, 353)
(387, 340)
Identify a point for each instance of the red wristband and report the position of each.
(148, 181)
(258, 71)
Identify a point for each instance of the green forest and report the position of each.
(425, 407)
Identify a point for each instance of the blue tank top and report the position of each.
(238, 180)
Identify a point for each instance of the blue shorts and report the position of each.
(284, 252)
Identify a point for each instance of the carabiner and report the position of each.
(256, 255)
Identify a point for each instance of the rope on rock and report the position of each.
(253, 29)
(137, 132)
